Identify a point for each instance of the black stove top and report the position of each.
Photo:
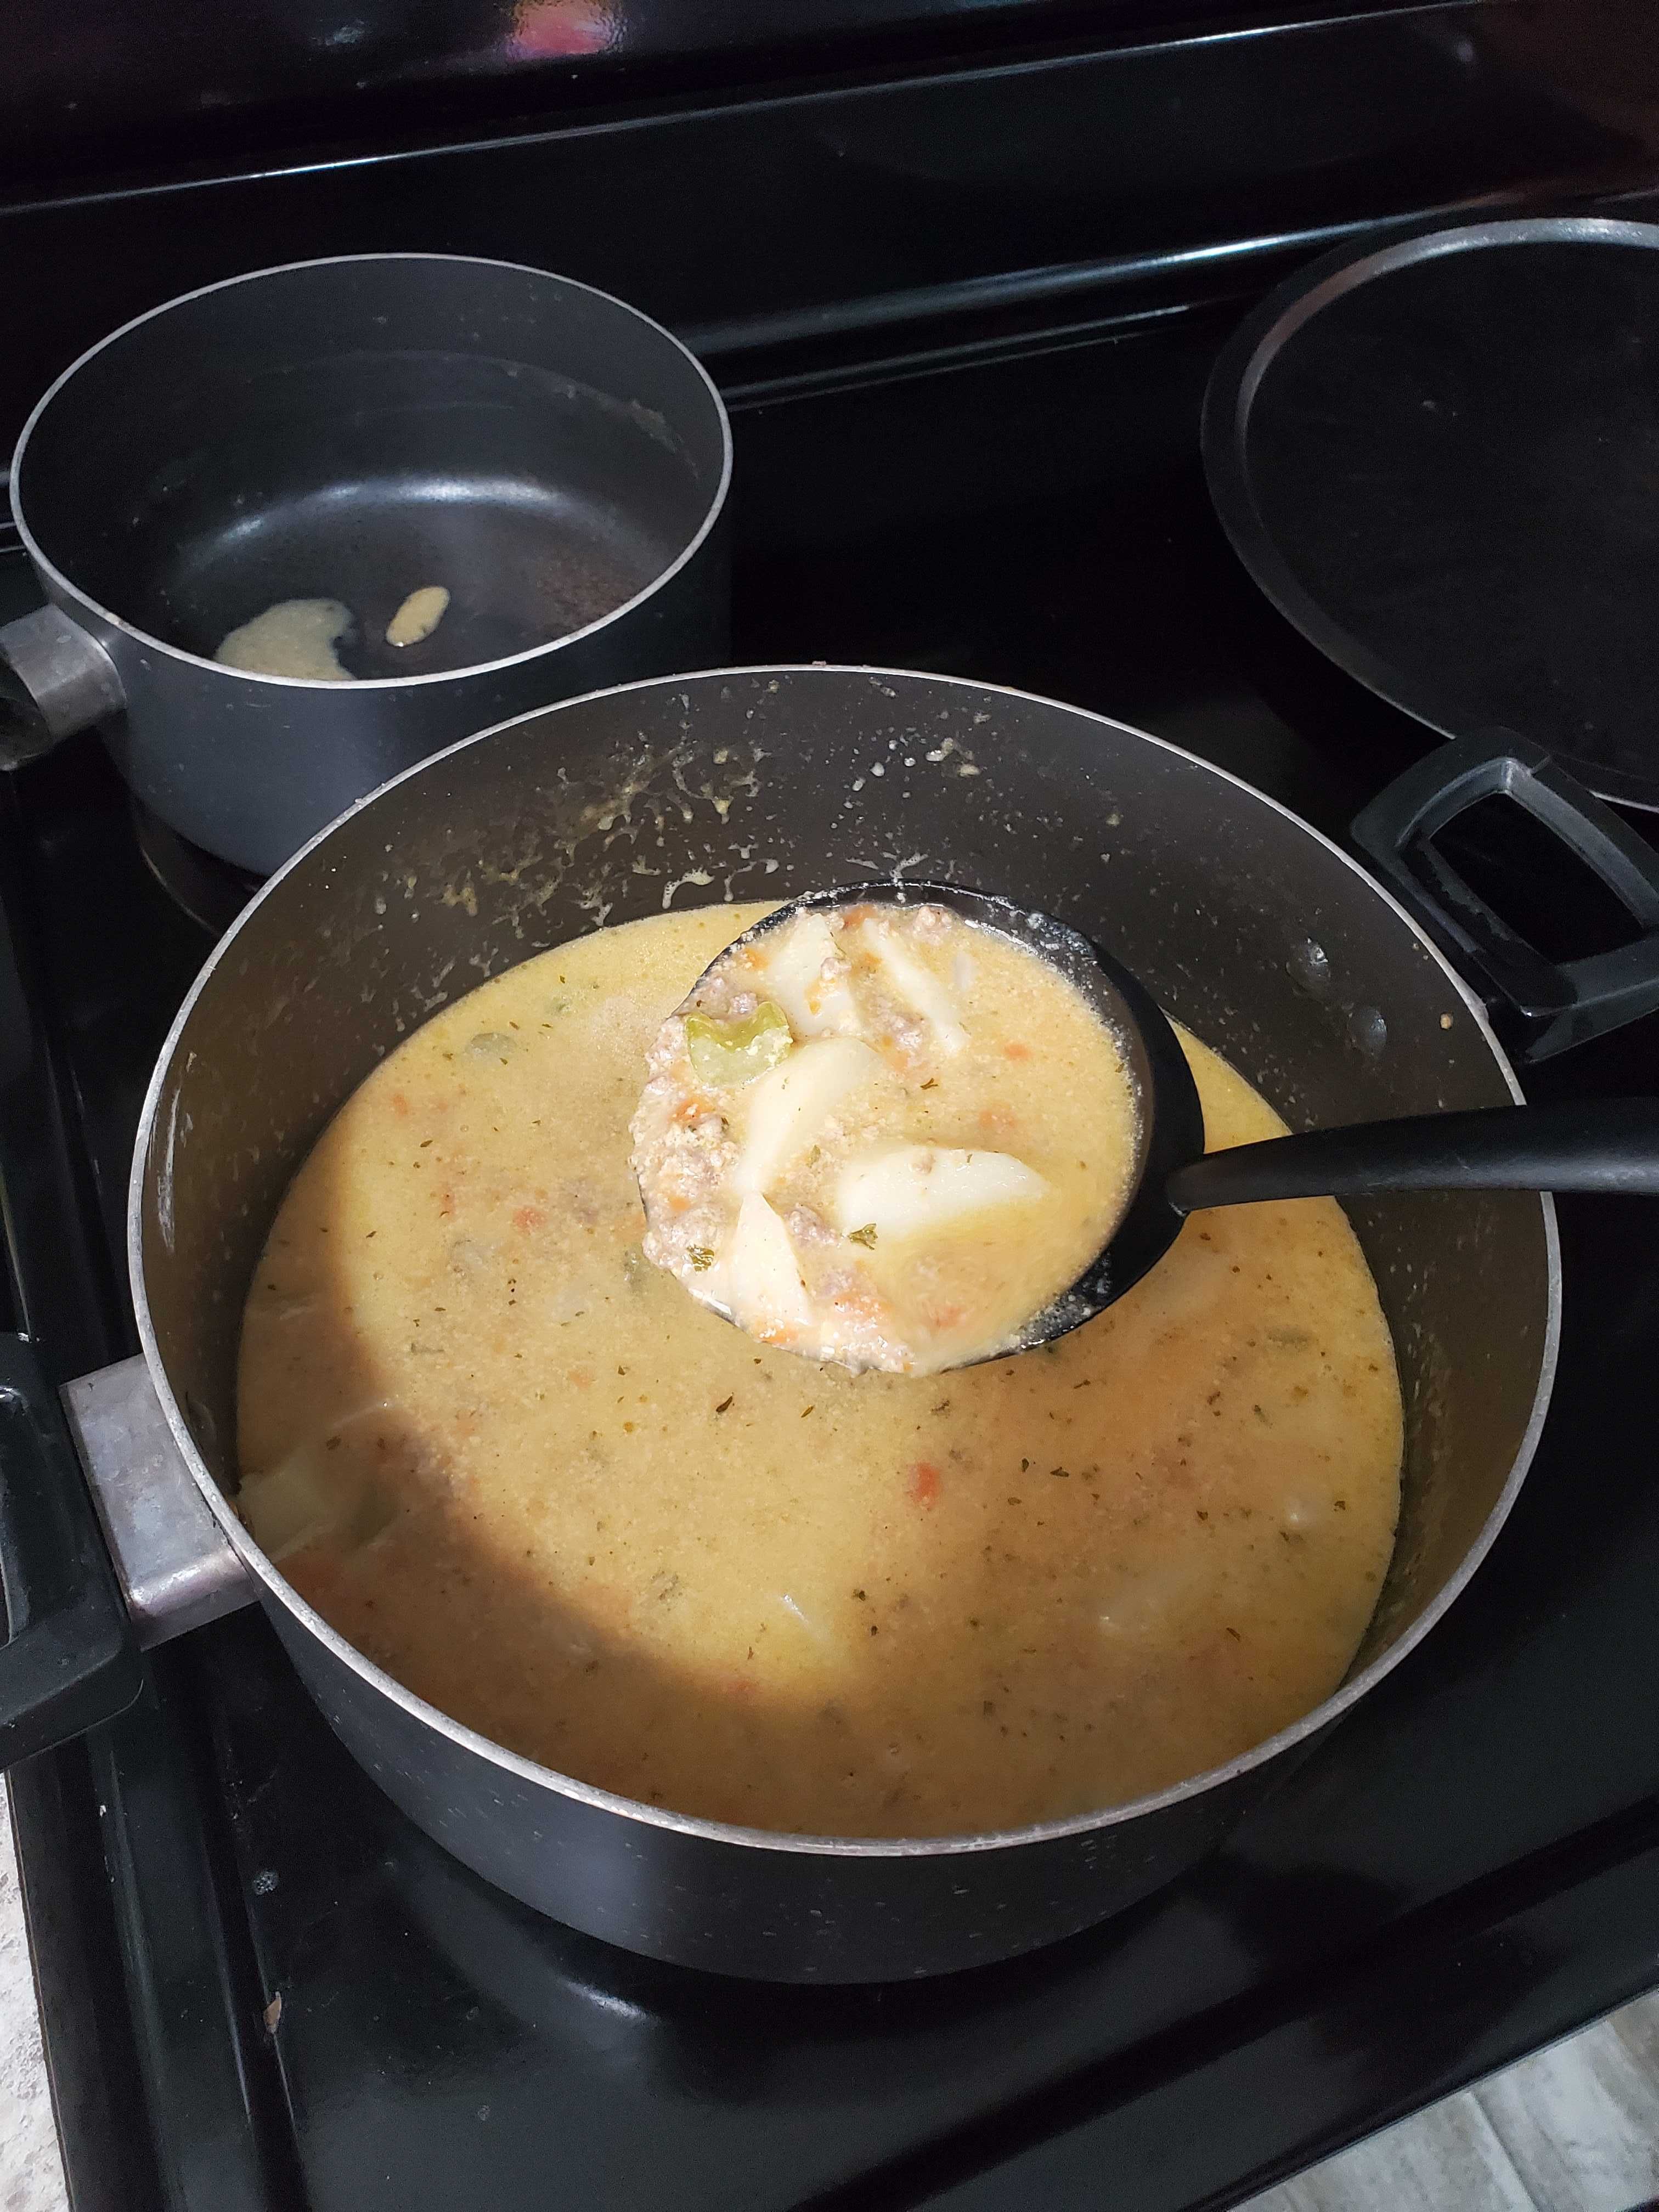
(326, 2008)
(265, 1988)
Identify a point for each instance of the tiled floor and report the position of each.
(1572, 2129)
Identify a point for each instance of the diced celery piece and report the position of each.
(726, 1053)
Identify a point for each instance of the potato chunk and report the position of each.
(761, 1278)
(914, 1190)
(914, 985)
(791, 1104)
(804, 970)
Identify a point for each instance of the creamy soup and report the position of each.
(514, 1464)
(884, 1136)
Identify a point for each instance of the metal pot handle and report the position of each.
(71, 1659)
(1551, 1006)
(55, 678)
(100, 1559)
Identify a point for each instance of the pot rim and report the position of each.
(713, 508)
(274, 1587)
(1246, 361)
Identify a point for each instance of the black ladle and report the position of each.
(1598, 1144)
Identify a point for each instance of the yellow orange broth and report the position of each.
(525, 1472)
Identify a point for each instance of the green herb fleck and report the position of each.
(866, 1235)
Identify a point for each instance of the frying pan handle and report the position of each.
(1551, 1005)
(71, 1659)
(55, 678)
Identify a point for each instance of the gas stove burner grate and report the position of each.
(211, 891)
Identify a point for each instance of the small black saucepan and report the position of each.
(1246, 925)
(356, 431)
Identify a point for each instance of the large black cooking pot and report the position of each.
(353, 430)
(1249, 927)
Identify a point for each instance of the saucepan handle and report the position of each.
(1547, 1004)
(55, 678)
(70, 1658)
(106, 1546)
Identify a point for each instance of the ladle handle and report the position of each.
(1606, 1145)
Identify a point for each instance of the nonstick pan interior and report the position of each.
(354, 430)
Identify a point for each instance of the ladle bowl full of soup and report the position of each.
(734, 1657)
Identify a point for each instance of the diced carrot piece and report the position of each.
(924, 1481)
